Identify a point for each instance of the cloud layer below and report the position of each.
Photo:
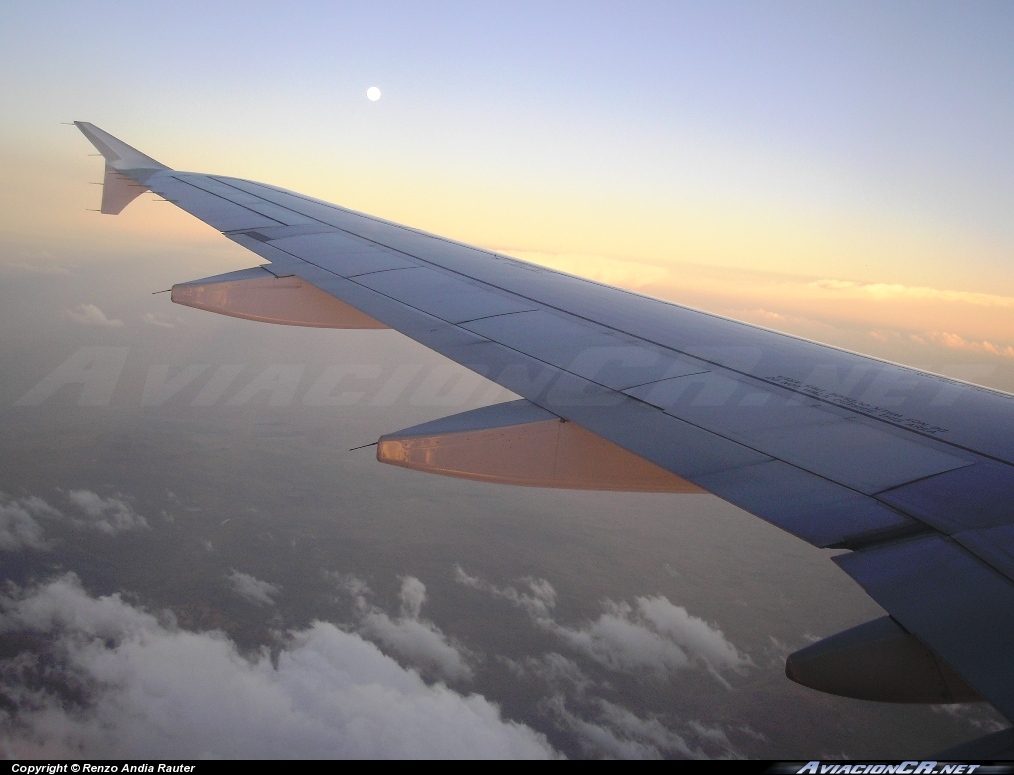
(150, 689)
(650, 639)
(253, 589)
(19, 525)
(652, 636)
(415, 640)
(22, 520)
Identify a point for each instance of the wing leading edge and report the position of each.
(912, 472)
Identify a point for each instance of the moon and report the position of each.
(373, 93)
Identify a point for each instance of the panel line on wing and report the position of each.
(260, 206)
(378, 271)
(539, 400)
(841, 478)
(853, 408)
(497, 315)
(219, 196)
(852, 411)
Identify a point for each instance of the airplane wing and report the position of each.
(910, 472)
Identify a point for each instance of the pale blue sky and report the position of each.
(859, 141)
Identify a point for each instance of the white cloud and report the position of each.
(599, 739)
(19, 526)
(777, 320)
(892, 291)
(151, 690)
(957, 342)
(702, 641)
(651, 636)
(631, 738)
(559, 672)
(537, 601)
(253, 589)
(158, 319)
(635, 274)
(976, 715)
(613, 731)
(110, 515)
(618, 641)
(946, 339)
(605, 729)
(90, 315)
(417, 641)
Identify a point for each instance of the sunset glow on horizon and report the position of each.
(856, 156)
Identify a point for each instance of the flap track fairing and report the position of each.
(520, 443)
(258, 294)
(880, 661)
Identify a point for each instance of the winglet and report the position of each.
(126, 169)
(119, 155)
(118, 191)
